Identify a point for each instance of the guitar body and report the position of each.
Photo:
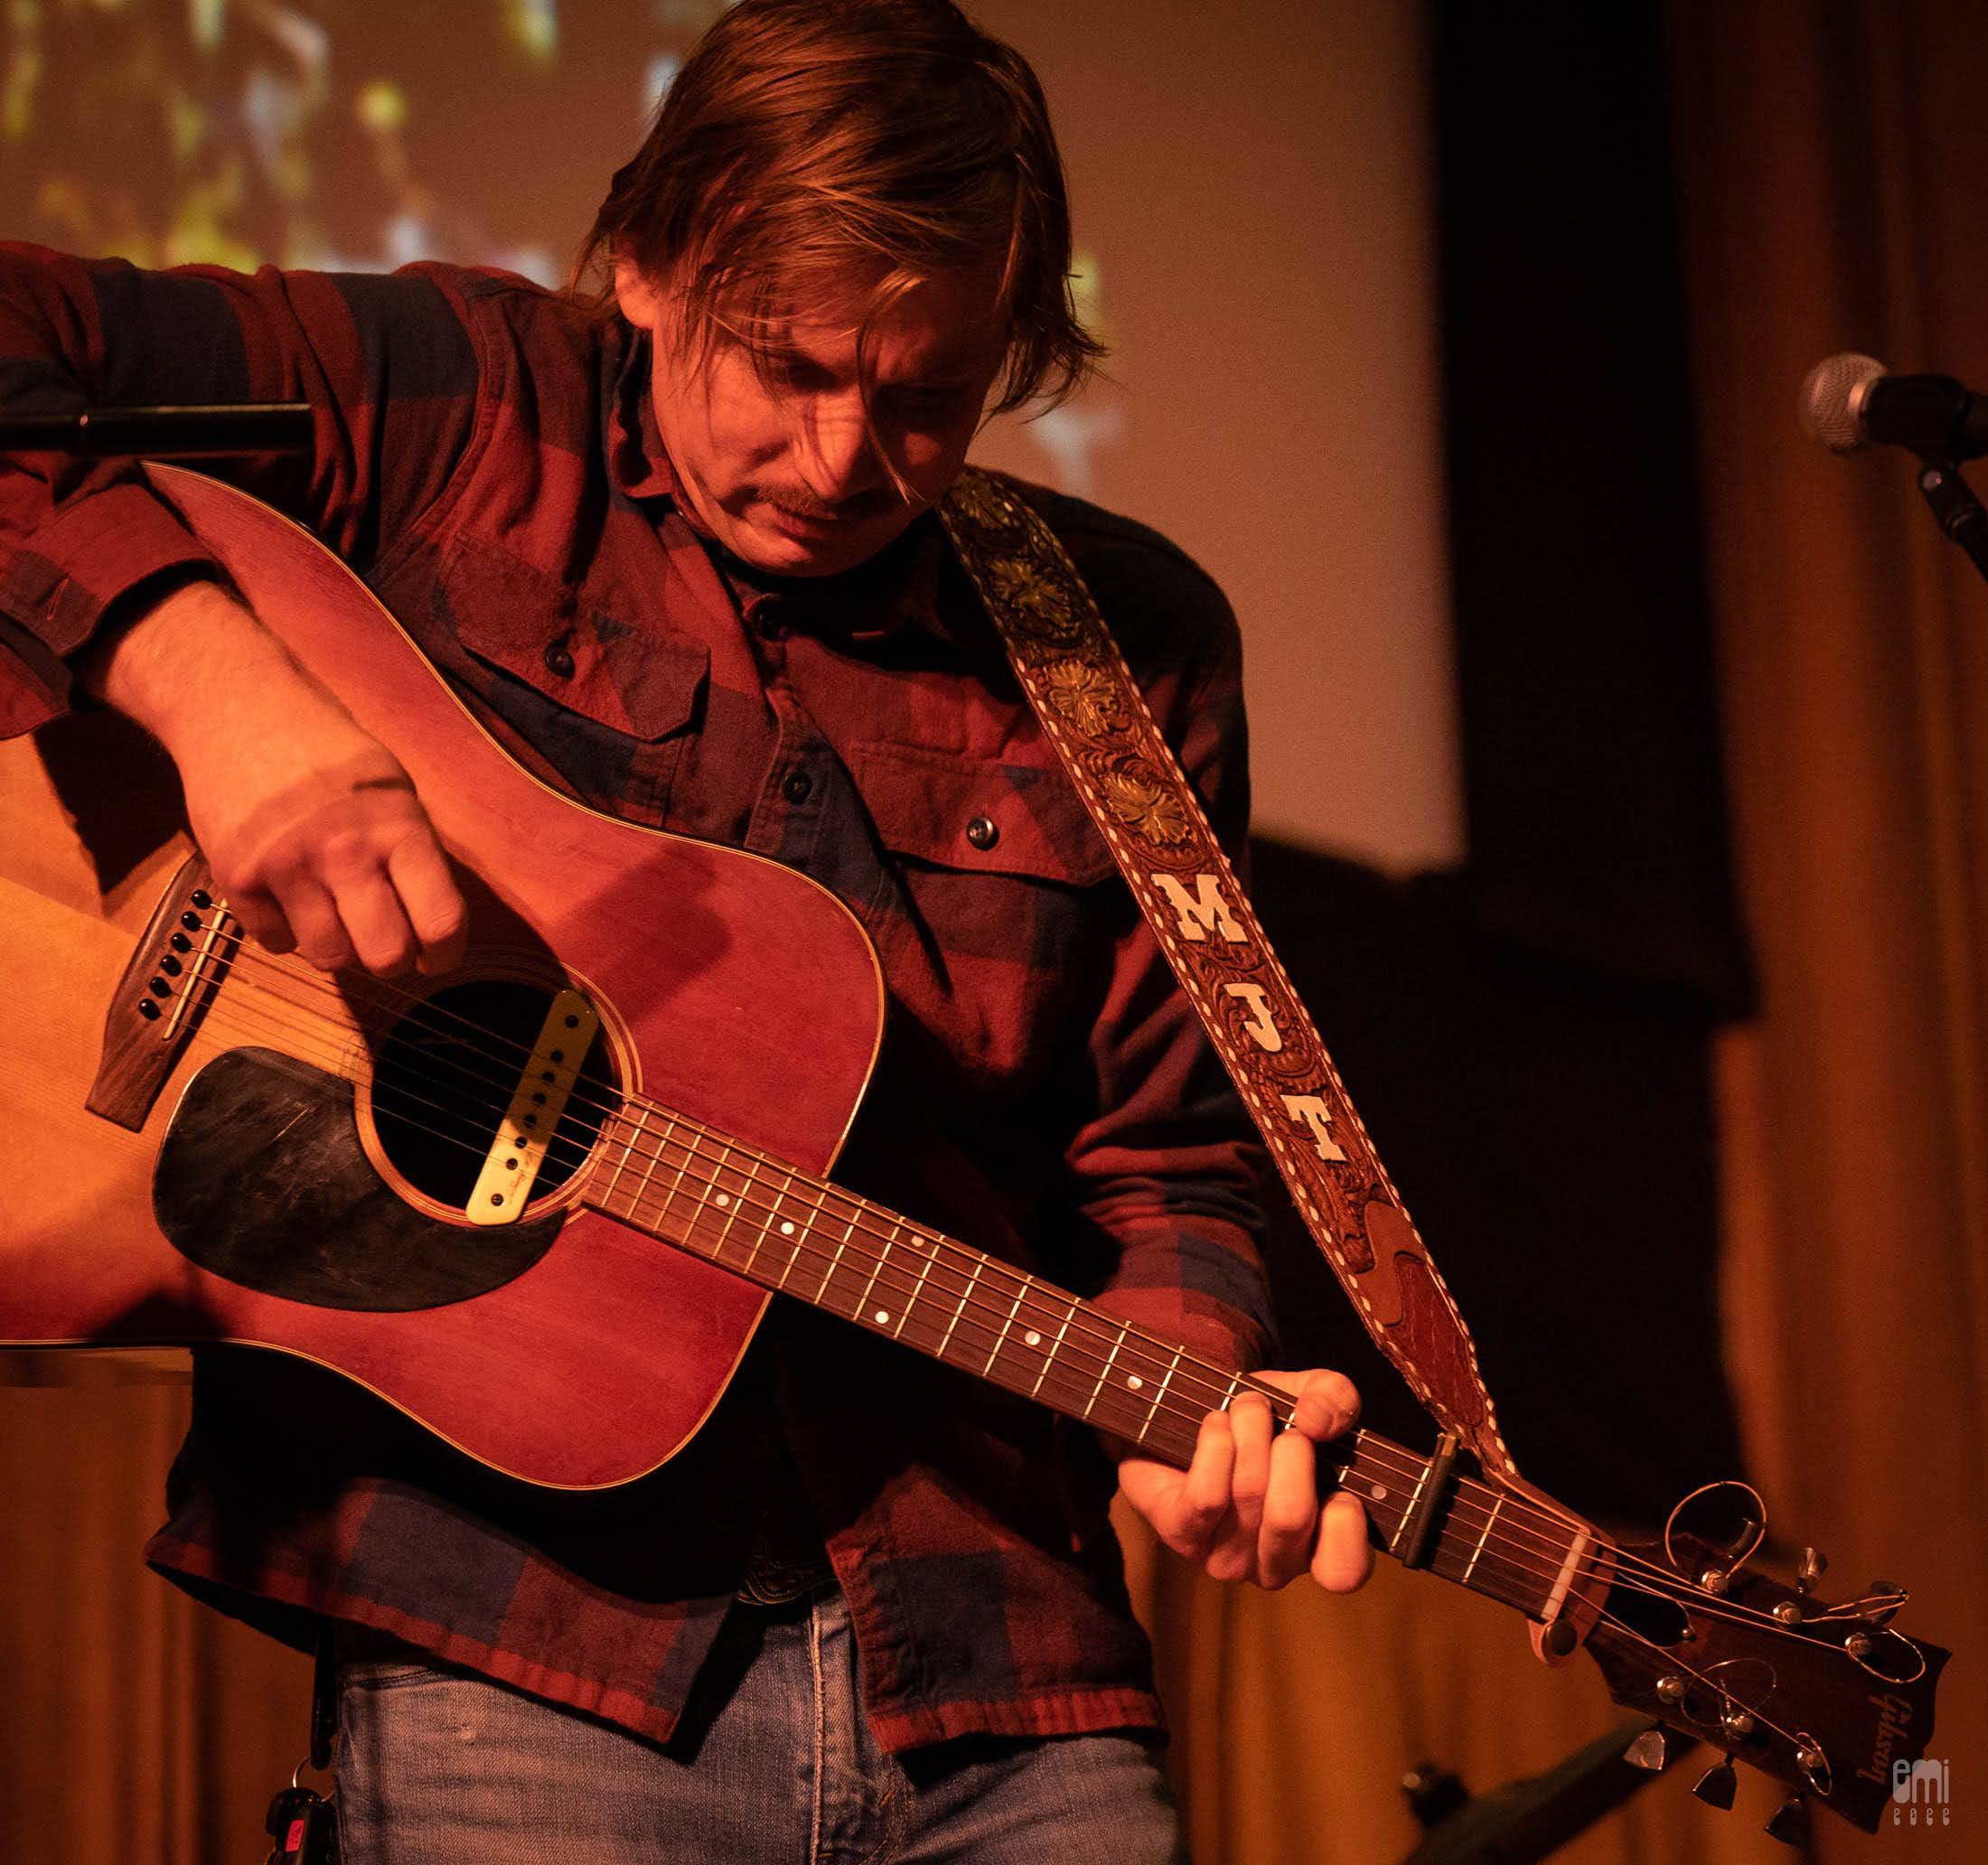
(566, 1348)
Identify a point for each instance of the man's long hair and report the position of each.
(808, 144)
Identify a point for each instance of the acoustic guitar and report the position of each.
(452, 1190)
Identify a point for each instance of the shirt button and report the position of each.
(558, 659)
(983, 832)
(797, 787)
(769, 617)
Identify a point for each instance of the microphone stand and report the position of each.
(1955, 505)
(195, 432)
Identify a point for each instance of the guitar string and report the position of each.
(1217, 1387)
(1045, 1293)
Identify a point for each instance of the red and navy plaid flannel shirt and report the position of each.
(486, 456)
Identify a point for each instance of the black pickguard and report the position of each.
(262, 1179)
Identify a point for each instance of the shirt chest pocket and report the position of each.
(995, 932)
(612, 704)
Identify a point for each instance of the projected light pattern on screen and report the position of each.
(171, 132)
(355, 138)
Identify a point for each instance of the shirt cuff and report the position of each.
(69, 572)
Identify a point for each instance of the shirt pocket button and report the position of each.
(558, 659)
(983, 832)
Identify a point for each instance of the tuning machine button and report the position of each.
(1788, 1613)
(1669, 1688)
(1859, 1644)
(1812, 1566)
(1648, 1752)
(1716, 1582)
(1737, 1722)
(1790, 1821)
(1715, 1787)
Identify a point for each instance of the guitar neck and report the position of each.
(804, 1237)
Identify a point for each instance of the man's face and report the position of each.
(778, 463)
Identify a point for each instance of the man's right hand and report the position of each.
(311, 826)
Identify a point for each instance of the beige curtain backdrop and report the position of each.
(1831, 163)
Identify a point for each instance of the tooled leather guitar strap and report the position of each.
(1127, 776)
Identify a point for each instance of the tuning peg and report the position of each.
(1648, 1752)
(1790, 1821)
(1812, 1566)
(1433, 1793)
(1715, 1785)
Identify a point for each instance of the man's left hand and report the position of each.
(1247, 1508)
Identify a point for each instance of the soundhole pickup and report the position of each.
(537, 1107)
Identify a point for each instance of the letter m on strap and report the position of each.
(1202, 912)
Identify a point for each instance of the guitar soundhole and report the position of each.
(444, 1077)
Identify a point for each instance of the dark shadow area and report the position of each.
(1551, 1130)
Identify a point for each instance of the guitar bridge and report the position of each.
(175, 969)
(538, 1104)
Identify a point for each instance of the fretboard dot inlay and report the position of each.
(883, 1316)
(722, 1200)
(1135, 1382)
(1033, 1338)
(1378, 1492)
(786, 1229)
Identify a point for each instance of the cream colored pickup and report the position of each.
(511, 1167)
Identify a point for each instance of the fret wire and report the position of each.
(1001, 1339)
(789, 1229)
(1104, 1371)
(1049, 1353)
(648, 1174)
(835, 1261)
(1477, 1551)
(966, 1295)
(805, 1233)
(766, 1215)
(876, 1268)
(1408, 1511)
(904, 1313)
(1162, 1394)
(731, 1208)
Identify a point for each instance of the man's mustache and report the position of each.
(804, 503)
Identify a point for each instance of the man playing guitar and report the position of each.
(670, 542)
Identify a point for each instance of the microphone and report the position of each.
(1849, 401)
(189, 432)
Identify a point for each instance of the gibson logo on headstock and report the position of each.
(1894, 1725)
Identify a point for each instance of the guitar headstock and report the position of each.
(1828, 1700)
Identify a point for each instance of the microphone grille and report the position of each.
(1832, 405)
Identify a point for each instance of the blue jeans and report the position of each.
(438, 1767)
